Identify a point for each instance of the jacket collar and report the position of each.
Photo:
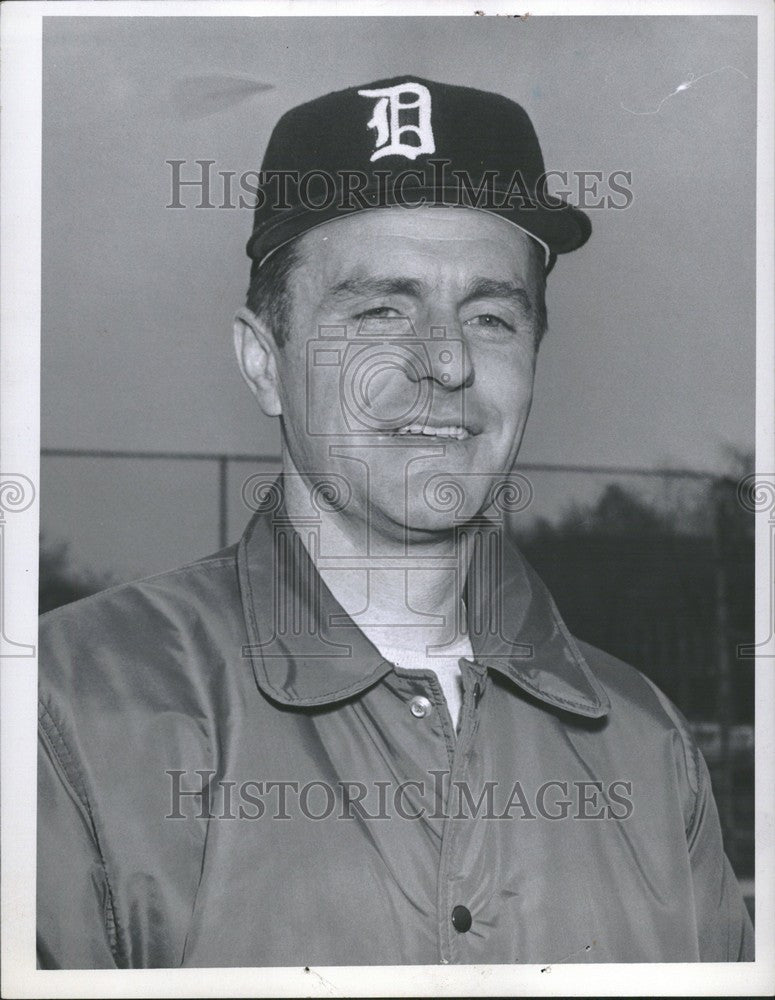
(301, 659)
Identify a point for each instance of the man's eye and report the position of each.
(489, 321)
(378, 312)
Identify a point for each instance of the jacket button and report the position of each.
(420, 707)
(461, 918)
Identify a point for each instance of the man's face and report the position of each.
(410, 359)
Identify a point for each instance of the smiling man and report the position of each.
(363, 735)
(425, 414)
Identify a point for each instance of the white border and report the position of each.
(20, 95)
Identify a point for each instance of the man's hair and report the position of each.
(269, 294)
(539, 258)
(271, 299)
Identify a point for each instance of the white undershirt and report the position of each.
(445, 667)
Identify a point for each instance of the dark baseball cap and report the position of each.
(407, 142)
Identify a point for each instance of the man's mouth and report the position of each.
(454, 432)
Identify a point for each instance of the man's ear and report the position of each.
(256, 347)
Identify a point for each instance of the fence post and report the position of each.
(223, 500)
(725, 784)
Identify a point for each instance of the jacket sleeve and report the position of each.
(724, 928)
(75, 927)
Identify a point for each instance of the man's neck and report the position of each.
(407, 600)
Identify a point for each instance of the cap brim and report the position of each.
(559, 226)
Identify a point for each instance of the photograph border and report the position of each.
(20, 321)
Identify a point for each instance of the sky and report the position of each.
(649, 360)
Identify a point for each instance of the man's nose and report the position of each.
(443, 358)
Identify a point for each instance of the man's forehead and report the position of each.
(376, 242)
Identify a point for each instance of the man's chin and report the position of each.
(431, 512)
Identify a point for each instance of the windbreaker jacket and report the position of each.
(230, 774)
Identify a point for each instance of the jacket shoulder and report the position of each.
(161, 592)
(165, 626)
(642, 707)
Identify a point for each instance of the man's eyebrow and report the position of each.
(481, 288)
(489, 288)
(369, 286)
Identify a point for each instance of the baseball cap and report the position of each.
(408, 141)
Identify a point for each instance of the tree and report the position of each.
(60, 582)
(641, 577)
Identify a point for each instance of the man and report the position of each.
(364, 735)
